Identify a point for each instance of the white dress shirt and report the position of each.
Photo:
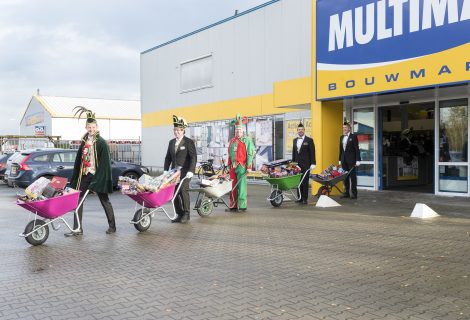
(177, 143)
(300, 140)
(345, 141)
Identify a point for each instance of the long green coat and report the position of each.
(103, 180)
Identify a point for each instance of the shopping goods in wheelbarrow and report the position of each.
(52, 211)
(329, 178)
(151, 202)
(285, 178)
(211, 193)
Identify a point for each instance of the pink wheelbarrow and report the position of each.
(52, 210)
(151, 202)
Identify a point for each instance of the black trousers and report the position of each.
(304, 185)
(104, 199)
(351, 182)
(182, 201)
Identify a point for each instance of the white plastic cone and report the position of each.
(422, 211)
(327, 202)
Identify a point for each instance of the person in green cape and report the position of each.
(92, 170)
(241, 151)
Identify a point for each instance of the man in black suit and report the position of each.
(303, 152)
(181, 153)
(349, 157)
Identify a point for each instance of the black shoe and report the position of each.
(73, 234)
(304, 202)
(345, 196)
(110, 230)
(185, 218)
(242, 209)
(354, 197)
(299, 201)
(231, 210)
(177, 219)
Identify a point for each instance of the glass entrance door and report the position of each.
(407, 147)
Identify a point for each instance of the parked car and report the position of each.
(3, 164)
(13, 158)
(31, 165)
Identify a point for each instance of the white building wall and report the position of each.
(250, 53)
(155, 146)
(35, 109)
(125, 129)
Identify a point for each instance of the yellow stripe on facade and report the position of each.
(286, 93)
(410, 74)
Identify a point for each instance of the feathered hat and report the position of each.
(239, 121)
(179, 122)
(300, 125)
(90, 115)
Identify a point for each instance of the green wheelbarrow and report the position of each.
(285, 187)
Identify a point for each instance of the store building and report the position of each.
(54, 116)
(257, 63)
(401, 70)
(398, 70)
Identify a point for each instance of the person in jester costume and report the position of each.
(241, 151)
(92, 170)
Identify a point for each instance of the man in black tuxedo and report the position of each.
(349, 157)
(303, 152)
(181, 153)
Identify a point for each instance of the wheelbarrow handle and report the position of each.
(173, 199)
(307, 172)
(79, 227)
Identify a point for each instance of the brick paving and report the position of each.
(365, 260)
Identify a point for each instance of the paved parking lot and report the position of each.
(365, 260)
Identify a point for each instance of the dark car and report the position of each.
(30, 166)
(3, 164)
(13, 158)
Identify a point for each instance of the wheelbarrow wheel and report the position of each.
(143, 224)
(205, 207)
(40, 232)
(323, 191)
(276, 198)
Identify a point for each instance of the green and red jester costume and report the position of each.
(240, 158)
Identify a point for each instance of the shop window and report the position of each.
(212, 139)
(291, 132)
(453, 131)
(279, 138)
(365, 175)
(453, 179)
(364, 129)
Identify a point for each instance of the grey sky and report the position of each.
(89, 48)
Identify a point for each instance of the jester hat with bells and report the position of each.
(90, 115)
(179, 122)
(239, 122)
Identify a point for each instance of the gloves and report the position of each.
(358, 163)
(189, 175)
(339, 162)
(313, 166)
(165, 172)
